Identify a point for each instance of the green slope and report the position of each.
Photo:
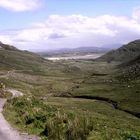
(12, 58)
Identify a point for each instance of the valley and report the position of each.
(73, 99)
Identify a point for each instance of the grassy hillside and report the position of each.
(12, 58)
(125, 53)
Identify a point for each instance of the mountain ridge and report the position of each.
(123, 54)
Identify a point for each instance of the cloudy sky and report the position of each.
(50, 24)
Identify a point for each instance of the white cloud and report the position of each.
(6, 39)
(74, 31)
(20, 5)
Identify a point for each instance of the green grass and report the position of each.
(66, 118)
(127, 95)
(45, 120)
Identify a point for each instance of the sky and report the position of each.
(51, 24)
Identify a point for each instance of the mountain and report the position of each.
(123, 54)
(12, 58)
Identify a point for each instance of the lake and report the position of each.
(86, 56)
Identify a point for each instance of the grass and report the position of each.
(47, 121)
(63, 118)
(127, 95)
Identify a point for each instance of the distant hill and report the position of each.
(12, 58)
(80, 50)
(86, 50)
(125, 53)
